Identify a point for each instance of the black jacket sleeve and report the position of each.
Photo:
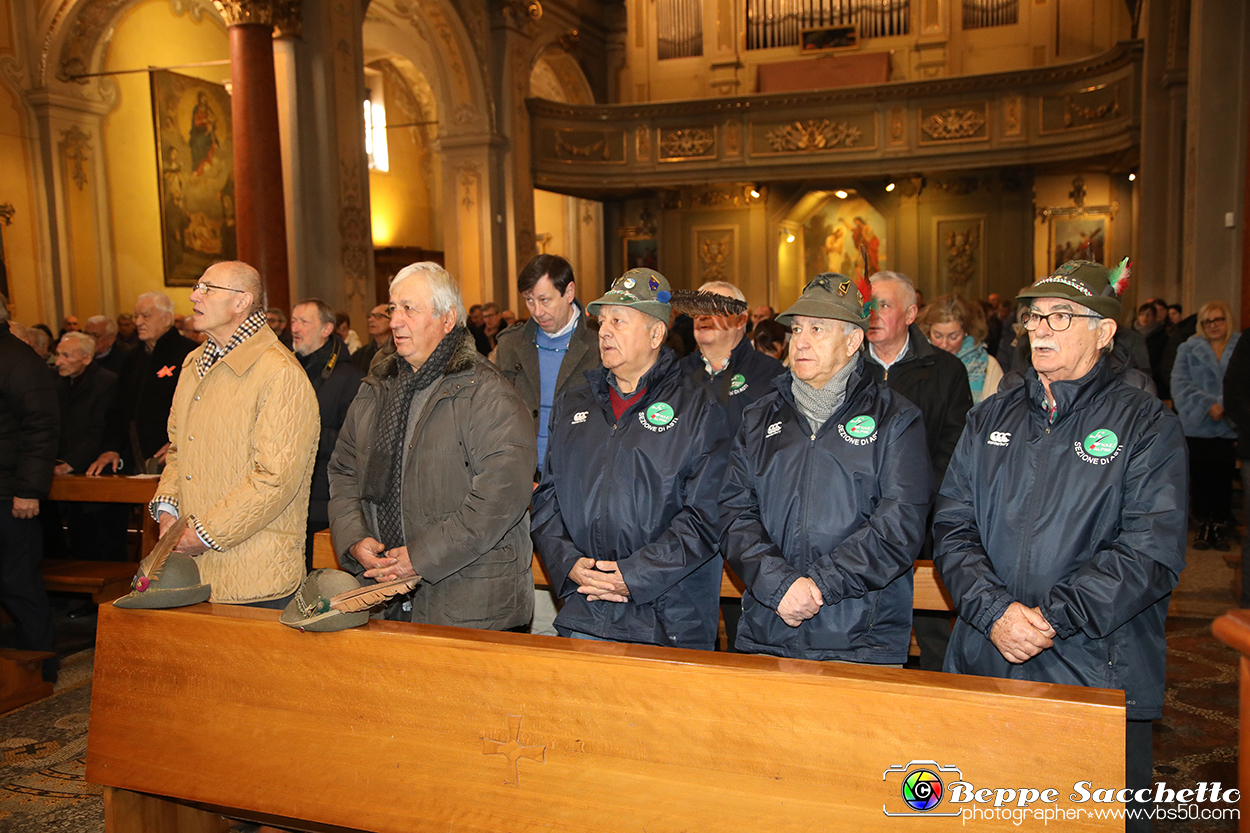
(551, 537)
(30, 393)
(1237, 392)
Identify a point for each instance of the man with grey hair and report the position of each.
(934, 381)
(827, 495)
(242, 441)
(1060, 529)
(109, 352)
(136, 438)
(434, 466)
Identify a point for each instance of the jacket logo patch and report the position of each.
(1099, 448)
(1001, 438)
(737, 384)
(579, 417)
(659, 414)
(859, 430)
(773, 430)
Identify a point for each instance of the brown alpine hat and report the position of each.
(1086, 282)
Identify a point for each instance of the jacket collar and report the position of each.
(1069, 395)
(664, 366)
(249, 351)
(386, 364)
(314, 363)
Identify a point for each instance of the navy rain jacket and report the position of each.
(845, 506)
(746, 379)
(641, 492)
(1084, 518)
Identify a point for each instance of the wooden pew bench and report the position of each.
(394, 727)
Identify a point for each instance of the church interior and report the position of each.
(973, 145)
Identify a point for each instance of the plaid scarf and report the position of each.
(383, 469)
(214, 353)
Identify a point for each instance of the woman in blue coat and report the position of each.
(1198, 394)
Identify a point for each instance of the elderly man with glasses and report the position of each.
(242, 440)
(1060, 527)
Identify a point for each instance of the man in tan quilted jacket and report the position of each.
(243, 437)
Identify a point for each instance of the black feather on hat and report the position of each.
(694, 303)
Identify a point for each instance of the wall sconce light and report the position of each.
(755, 193)
(1132, 177)
(889, 187)
(789, 237)
(840, 194)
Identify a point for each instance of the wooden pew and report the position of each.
(134, 489)
(1233, 629)
(928, 591)
(413, 729)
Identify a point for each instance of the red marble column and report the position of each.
(259, 202)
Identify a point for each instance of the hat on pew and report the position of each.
(332, 600)
(176, 583)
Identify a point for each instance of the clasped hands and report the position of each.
(1021, 633)
(599, 581)
(801, 602)
(382, 564)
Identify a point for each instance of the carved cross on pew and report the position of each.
(1078, 207)
(512, 749)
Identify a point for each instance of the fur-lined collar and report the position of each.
(386, 364)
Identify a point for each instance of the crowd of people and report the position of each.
(1038, 451)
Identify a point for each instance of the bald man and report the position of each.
(242, 440)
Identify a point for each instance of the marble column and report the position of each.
(259, 203)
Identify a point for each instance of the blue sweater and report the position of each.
(551, 352)
(1198, 383)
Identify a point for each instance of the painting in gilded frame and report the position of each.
(1078, 238)
(195, 164)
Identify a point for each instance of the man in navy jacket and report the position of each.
(626, 516)
(1060, 527)
(827, 495)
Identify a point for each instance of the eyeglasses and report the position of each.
(203, 287)
(1057, 321)
(379, 314)
(1209, 321)
(408, 310)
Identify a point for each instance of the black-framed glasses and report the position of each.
(378, 315)
(1057, 321)
(1209, 321)
(203, 286)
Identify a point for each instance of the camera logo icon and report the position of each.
(919, 788)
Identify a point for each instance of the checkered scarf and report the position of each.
(214, 353)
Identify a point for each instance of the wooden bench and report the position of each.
(103, 580)
(928, 591)
(214, 709)
(21, 678)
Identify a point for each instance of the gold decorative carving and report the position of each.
(241, 12)
(1013, 107)
(953, 123)
(686, 144)
(513, 750)
(6, 212)
(464, 114)
(1110, 108)
(732, 137)
(962, 250)
(565, 150)
(670, 200)
(85, 31)
(713, 198)
(1078, 207)
(355, 231)
(910, 186)
(569, 41)
(77, 151)
(812, 135)
(286, 18)
(642, 143)
(897, 113)
(715, 255)
(522, 11)
(469, 179)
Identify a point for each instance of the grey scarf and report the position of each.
(818, 404)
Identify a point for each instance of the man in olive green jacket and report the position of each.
(433, 468)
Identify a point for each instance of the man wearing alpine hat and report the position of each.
(626, 515)
(1060, 527)
(827, 495)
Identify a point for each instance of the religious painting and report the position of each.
(1078, 238)
(959, 254)
(847, 237)
(642, 252)
(195, 161)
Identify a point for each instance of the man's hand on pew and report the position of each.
(600, 581)
(801, 602)
(1021, 633)
(25, 507)
(108, 458)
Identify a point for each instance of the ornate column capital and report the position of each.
(282, 14)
